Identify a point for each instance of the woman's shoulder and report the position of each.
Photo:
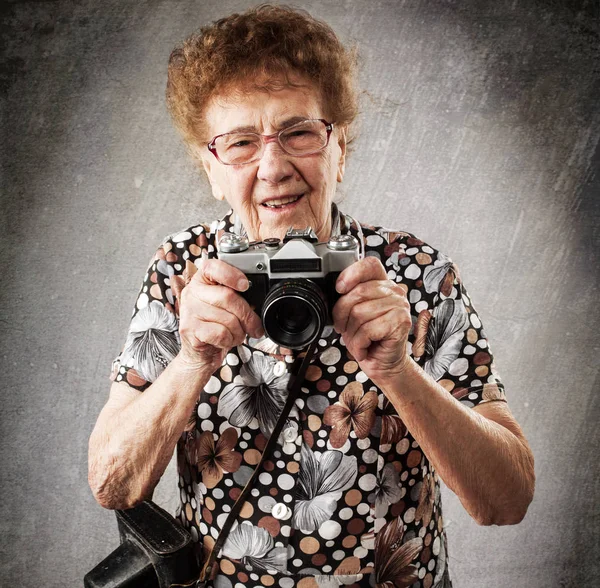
(200, 234)
(398, 243)
(409, 259)
(377, 234)
(191, 243)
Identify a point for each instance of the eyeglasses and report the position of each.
(304, 138)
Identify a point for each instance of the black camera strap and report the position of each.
(294, 386)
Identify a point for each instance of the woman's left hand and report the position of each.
(373, 316)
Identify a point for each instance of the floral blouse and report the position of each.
(347, 497)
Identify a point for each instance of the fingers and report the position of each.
(215, 335)
(207, 317)
(373, 317)
(384, 293)
(213, 315)
(364, 270)
(377, 331)
(214, 283)
(215, 271)
(365, 312)
(379, 320)
(220, 304)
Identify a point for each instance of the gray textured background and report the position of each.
(479, 133)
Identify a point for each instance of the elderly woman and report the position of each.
(402, 390)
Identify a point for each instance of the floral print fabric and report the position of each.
(347, 497)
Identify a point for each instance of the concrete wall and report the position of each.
(479, 133)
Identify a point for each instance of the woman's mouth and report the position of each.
(283, 203)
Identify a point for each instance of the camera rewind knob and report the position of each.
(230, 243)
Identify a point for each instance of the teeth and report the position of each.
(277, 203)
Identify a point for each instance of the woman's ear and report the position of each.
(210, 174)
(342, 144)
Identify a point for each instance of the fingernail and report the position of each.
(242, 285)
(340, 286)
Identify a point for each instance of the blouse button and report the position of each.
(279, 369)
(290, 434)
(281, 511)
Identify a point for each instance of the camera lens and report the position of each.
(294, 316)
(294, 313)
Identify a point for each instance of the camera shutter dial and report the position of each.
(342, 243)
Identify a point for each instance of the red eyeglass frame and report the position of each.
(269, 138)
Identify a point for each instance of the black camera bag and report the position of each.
(155, 552)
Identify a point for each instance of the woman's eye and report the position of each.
(241, 143)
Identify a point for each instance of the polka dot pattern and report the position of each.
(331, 500)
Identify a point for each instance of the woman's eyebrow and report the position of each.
(288, 122)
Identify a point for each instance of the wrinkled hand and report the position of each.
(373, 317)
(213, 317)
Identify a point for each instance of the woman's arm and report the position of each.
(481, 454)
(136, 433)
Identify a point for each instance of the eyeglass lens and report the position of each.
(301, 139)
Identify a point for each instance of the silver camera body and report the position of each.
(292, 283)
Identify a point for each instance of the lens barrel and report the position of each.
(294, 313)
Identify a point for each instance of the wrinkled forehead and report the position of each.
(262, 103)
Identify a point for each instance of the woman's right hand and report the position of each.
(213, 317)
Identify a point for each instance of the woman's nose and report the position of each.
(275, 165)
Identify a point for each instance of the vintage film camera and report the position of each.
(292, 284)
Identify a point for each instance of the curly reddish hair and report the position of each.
(267, 43)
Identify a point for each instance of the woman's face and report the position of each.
(248, 188)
